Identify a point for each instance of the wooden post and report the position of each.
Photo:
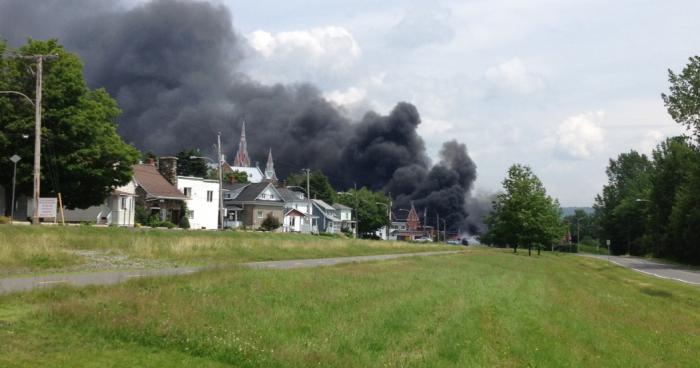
(60, 205)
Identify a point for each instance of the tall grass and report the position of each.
(486, 308)
(25, 248)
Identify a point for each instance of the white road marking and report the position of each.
(654, 274)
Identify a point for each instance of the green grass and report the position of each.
(583, 248)
(26, 249)
(483, 308)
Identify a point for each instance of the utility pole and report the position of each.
(37, 129)
(578, 234)
(221, 182)
(308, 198)
(437, 226)
(357, 218)
(388, 210)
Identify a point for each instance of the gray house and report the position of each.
(327, 221)
(252, 203)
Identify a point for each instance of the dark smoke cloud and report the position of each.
(173, 68)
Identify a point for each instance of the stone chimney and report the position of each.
(167, 166)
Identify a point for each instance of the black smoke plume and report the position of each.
(173, 68)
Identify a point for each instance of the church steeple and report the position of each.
(242, 159)
(270, 168)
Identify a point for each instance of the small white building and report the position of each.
(117, 210)
(202, 201)
(298, 214)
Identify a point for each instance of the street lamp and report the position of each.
(14, 159)
(221, 189)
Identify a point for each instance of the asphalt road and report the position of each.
(663, 270)
(18, 284)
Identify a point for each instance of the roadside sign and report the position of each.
(15, 159)
(47, 207)
(607, 242)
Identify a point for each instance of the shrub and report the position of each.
(184, 216)
(270, 223)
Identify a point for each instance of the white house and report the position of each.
(202, 201)
(117, 210)
(298, 216)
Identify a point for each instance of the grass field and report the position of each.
(26, 249)
(486, 308)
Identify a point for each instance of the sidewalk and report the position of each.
(18, 284)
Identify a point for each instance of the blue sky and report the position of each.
(559, 85)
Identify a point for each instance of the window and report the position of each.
(123, 204)
(190, 214)
(291, 221)
(263, 196)
(187, 191)
(260, 214)
(210, 195)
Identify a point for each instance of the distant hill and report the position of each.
(568, 211)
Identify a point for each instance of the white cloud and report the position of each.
(580, 136)
(323, 47)
(420, 26)
(349, 96)
(649, 141)
(434, 127)
(513, 76)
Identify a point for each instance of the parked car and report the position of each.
(424, 239)
(454, 242)
(465, 241)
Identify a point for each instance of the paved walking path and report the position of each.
(16, 284)
(663, 270)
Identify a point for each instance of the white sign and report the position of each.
(47, 207)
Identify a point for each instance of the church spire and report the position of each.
(270, 168)
(242, 159)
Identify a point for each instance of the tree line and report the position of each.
(651, 205)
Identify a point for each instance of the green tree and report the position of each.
(581, 224)
(83, 157)
(370, 214)
(673, 162)
(239, 176)
(524, 215)
(187, 166)
(319, 184)
(622, 207)
(270, 223)
(683, 100)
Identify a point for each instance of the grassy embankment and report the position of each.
(483, 308)
(583, 248)
(25, 249)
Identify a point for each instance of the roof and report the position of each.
(289, 195)
(154, 184)
(323, 205)
(339, 206)
(295, 212)
(251, 192)
(119, 192)
(234, 187)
